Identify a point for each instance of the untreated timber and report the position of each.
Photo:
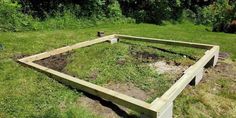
(67, 48)
(189, 74)
(110, 95)
(160, 107)
(164, 41)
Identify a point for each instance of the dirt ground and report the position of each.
(108, 109)
(57, 62)
(163, 67)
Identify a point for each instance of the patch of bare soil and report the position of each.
(171, 68)
(103, 108)
(145, 56)
(224, 71)
(97, 107)
(57, 62)
(93, 74)
(129, 89)
(108, 109)
(223, 55)
(223, 68)
(217, 90)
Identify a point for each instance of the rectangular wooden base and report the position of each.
(161, 107)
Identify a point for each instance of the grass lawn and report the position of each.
(25, 92)
(129, 62)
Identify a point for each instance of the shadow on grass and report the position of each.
(120, 112)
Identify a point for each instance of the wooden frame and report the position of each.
(161, 107)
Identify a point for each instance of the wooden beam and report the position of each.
(169, 96)
(160, 106)
(110, 95)
(67, 48)
(164, 41)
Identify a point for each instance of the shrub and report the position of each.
(81, 8)
(93, 8)
(188, 15)
(64, 16)
(114, 10)
(220, 14)
(11, 18)
(152, 11)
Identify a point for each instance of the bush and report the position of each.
(64, 16)
(20, 15)
(188, 15)
(218, 12)
(114, 10)
(220, 15)
(152, 11)
(81, 8)
(11, 18)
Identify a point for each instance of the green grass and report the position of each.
(105, 63)
(25, 92)
(125, 62)
(214, 97)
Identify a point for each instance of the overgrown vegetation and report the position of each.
(12, 18)
(32, 15)
(221, 14)
(21, 15)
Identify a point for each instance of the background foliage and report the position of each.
(20, 15)
(221, 15)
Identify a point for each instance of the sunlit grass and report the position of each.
(25, 92)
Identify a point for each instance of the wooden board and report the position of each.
(96, 90)
(159, 106)
(67, 48)
(168, 42)
(189, 74)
